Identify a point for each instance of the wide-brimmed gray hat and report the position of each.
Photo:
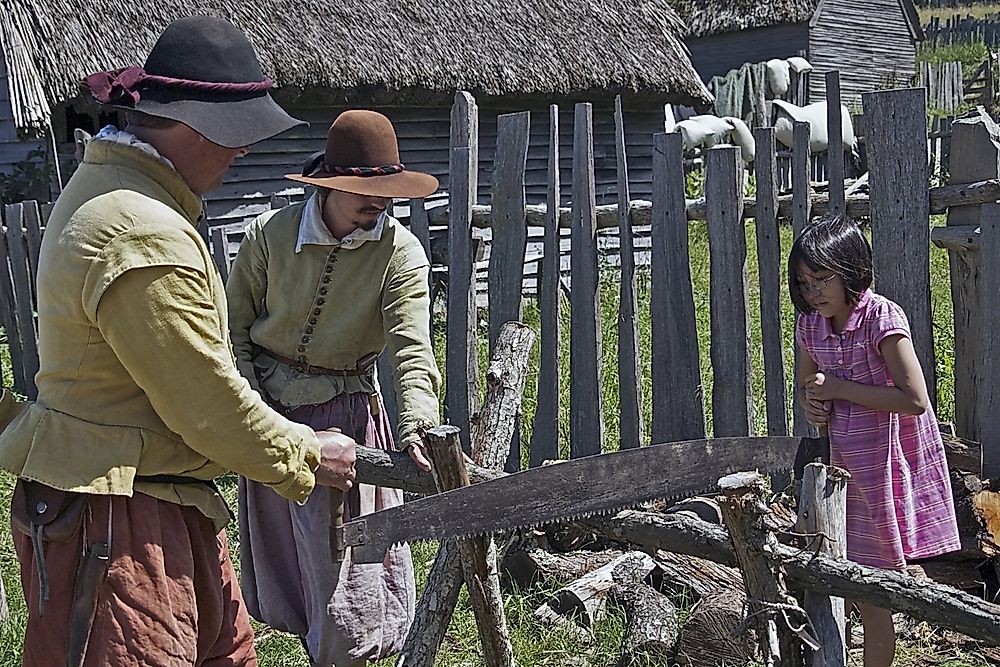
(202, 72)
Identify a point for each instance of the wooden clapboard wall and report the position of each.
(423, 143)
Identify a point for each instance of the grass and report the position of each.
(535, 645)
(979, 10)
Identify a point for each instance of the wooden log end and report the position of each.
(741, 482)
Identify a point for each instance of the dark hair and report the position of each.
(832, 243)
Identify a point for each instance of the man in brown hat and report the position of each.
(124, 559)
(317, 290)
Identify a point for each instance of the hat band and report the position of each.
(122, 86)
(384, 170)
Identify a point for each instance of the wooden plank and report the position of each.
(461, 367)
(8, 312)
(387, 386)
(801, 212)
(897, 125)
(420, 226)
(220, 251)
(678, 410)
(629, 375)
(835, 150)
(771, 270)
(510, 236)
(545, 428)
(823, 513)
(977, 156)
(22, 287)
(732, 401)
(585, 405)
(989, 379)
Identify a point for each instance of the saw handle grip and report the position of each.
(338, 549)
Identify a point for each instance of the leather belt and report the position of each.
(364, 367)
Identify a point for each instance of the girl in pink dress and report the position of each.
(860, 378)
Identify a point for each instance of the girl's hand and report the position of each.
(417, 454)
(823, 387)
(817, 412)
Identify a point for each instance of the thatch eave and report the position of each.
(394, 50)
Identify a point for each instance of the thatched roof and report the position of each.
(712, 17)
(489, 47)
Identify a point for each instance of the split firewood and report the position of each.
(531, 568)
(708, 637)
(691, 574)
(651, 622)
(706, 509)
(584, 599)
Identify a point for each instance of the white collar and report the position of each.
(112, 133)
(313, 231)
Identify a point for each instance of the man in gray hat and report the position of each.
(121, 534)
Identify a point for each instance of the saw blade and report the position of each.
(568, 490)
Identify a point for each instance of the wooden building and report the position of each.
(872, 42)
(404, 59)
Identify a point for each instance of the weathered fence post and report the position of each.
(421, 228)
(835, 143)
(823, 518)
(477, 554)
(629, 375)
(732, 398)
(896, 122)
(976, 157)
(460, 365)
(23, 220)
(801, 214)
(989, 384)
(545, 428)
(678, 408)
(510, 236)
(585, 411)
(770, 268)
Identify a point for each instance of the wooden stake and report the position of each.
(491, 439)
(743, 506)
(823, 514)
(477, 554)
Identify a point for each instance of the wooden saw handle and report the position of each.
(337, 547)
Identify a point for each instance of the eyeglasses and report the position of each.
(817, 286)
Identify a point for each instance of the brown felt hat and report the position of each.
(362, 157)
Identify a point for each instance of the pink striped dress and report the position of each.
(899, 502)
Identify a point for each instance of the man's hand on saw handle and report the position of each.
(337, 457)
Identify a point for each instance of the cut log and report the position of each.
(706, 509)
(584, 599)
(530, 568)
(651, 623)
(697, 576)
(708, 638)
(962, 455)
